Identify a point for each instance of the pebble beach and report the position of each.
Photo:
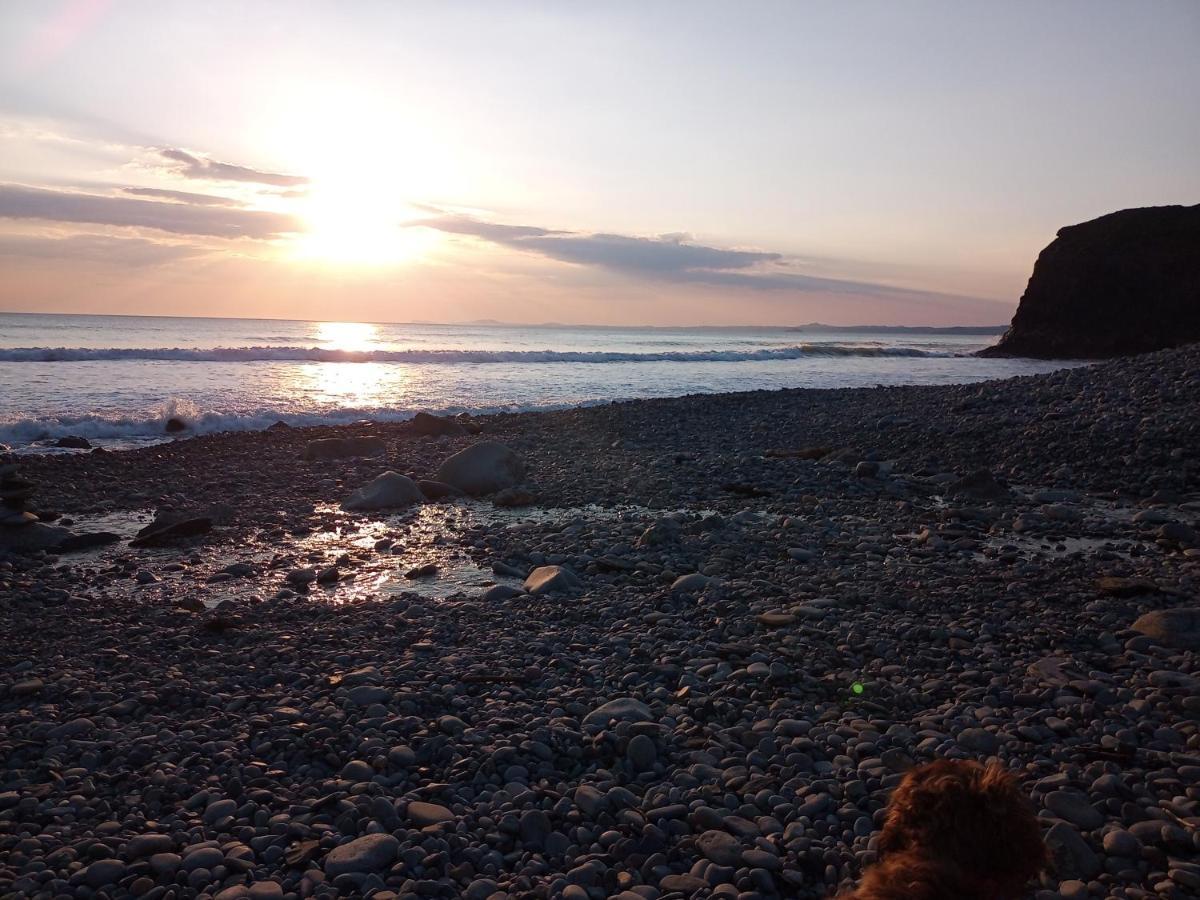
(687, 655)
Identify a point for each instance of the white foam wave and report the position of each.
(118, 431)
(322, 354)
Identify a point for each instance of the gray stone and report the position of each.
(1075, 808)
(1179, 627)
(104, 872)
(551, 580)
(641, 753)
(483, 468)
(622, 709)
(1070, 856)
(423, 814)
(691, 583)
(370, 853)
(720, 846)
(341, 448)
(387, 491)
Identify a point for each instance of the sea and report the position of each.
(117, 380)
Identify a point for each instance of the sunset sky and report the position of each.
(632, 163)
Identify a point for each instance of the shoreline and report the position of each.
(975, 556)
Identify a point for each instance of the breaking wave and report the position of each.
(117, 431)
(320, 354)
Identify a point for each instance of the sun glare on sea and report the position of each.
(350, 336)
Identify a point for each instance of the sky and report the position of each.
(613, 163)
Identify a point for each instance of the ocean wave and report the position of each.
(454, 356)
(122, 431)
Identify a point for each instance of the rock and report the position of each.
(148, 845)
(357, 770)
(27, 688)
(499, 592)
(977, 740)
(33, 536)
(534, 827)
(483, 468)
(1075, 808)
(367, 694)
(104, 872)
(73, 442)
(341, 448)
(1179, 627)
(1125, 587)
(812, 453)
(386, 491)
(720, 846)
(623, 709)
(437, 490)
(75, 543)
(776, 619)
(1070, 856)
(689, 584)
(641, 753)
(168, 527)
(552, 580)
(866, 469)
(685, 884)
(429, 424)
(174, 425)
(1127, 282)
(424, 814)
(978, 485)
(370, 853)
(1122, 843)
(514, 497)
(218, 810)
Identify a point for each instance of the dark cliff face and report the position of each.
(1124, 283)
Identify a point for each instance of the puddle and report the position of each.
(373, 555)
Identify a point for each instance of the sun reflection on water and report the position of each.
(353, 336)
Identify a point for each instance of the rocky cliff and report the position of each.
(1127, 282)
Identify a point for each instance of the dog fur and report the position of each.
(955, 831)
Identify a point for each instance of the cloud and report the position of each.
(136, 252)
(668, 257)
(20, 202)
(190, 166)
(181, 196)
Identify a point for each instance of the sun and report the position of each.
(349, 224)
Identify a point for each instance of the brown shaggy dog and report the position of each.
(953, 831)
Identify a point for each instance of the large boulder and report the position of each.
(483, 468)
(1124, 283)
(389, 490)
(341, 448)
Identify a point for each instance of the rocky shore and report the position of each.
(673, 649)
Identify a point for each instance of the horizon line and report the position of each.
(497, 323)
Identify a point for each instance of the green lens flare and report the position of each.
(857, 687)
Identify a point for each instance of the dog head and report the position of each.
(954, 830)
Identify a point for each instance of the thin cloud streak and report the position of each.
(181, 196)
(191, 166)
(21, 202)
(96, 248)
(667, 257)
